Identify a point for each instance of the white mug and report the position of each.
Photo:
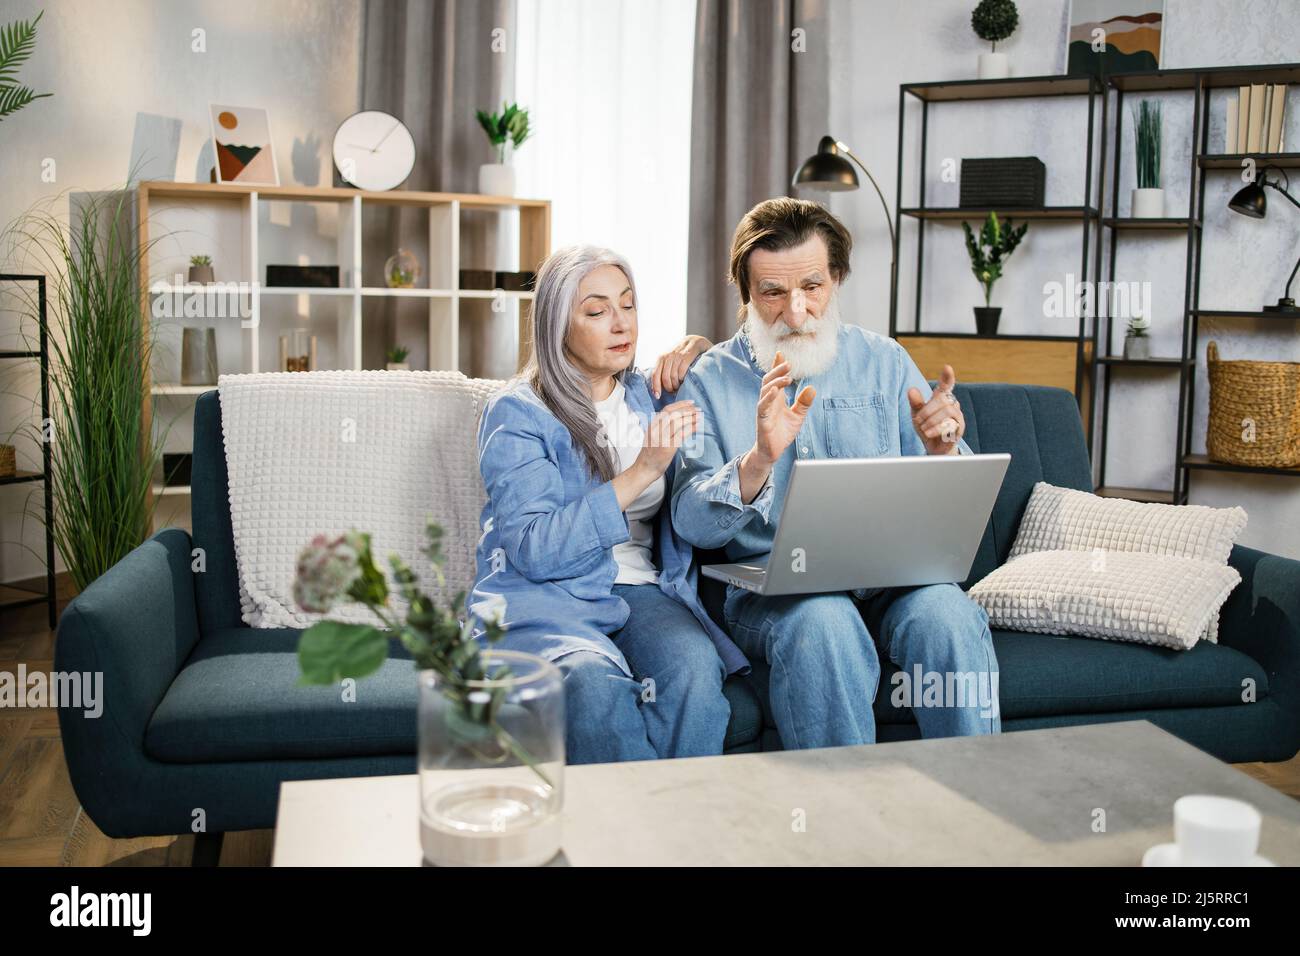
(1215, 831)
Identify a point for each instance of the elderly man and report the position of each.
(795, 383)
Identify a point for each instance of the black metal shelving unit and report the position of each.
(1200, 82)
(50, 597)
(1087, 215)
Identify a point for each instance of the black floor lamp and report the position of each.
(829, 170)
(1252, 201)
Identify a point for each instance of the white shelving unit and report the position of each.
(245, 228)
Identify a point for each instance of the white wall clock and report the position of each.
(373, 150)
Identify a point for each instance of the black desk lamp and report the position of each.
(1251, 201)
(829, 170)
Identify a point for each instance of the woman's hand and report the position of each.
(665, 435)
(670, 371)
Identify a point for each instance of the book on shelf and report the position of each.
(1276, 118)
(1243, 117)
(1256, 123)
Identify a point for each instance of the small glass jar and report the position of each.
(491, 764)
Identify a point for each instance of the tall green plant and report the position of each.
(17, 42)
(1146, 121)
(102, 454)
(993, 248)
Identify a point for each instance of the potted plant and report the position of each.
(1148, 198)
(987, 255)
(490, 722)
(994, 20)
(1137, 344)
(201, 270)
(103, 454)
(397, 359)
(17, 41)
(511, 124)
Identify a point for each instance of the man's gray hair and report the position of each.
(550, 371)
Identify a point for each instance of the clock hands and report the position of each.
(386, 135)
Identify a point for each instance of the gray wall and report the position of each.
(1245, 262)
(105, 62)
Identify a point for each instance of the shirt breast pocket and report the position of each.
(857, 426)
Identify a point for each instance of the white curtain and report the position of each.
(608, 86)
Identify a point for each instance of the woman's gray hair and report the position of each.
(550, 371)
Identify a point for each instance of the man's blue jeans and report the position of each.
(824, 651)
(674, 707)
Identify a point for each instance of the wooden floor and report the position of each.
(41, 823)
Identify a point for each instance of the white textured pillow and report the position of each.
(1063, 519)
(1116, 596)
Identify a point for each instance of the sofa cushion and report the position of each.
(1045, 674)
(1115, 596)
(238, 698)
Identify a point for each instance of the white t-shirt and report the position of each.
(635, 556)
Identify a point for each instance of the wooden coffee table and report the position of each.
(1037, 797)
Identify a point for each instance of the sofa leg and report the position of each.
(207, 849)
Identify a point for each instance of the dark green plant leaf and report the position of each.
(329, 651)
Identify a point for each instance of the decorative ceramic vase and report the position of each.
(986, 319)
(1148, 204)
(401, 270)
(496, 179)
(491, 789)
(199, 357)
(994, 66)
(1137, 346)
(201, 275)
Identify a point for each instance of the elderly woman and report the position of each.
(577, 455)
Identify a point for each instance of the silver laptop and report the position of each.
(850, 523)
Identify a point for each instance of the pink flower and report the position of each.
(326, 569)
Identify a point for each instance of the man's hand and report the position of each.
(670, 371)
(939, 421)
(775, 425)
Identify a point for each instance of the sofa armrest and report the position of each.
(133, 628)
(1261, 618)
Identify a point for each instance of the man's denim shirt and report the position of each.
(861, 411)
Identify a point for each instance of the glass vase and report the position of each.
(491, 764)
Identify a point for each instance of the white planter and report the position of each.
(496, 179)
(399, 366)
(994, 66)
(1148, 204)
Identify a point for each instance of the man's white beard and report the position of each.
(809, 352)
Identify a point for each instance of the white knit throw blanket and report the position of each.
(313, 453)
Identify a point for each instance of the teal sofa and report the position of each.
(204, 717)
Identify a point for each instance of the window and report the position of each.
(608, 86)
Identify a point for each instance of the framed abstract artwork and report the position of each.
(1114, 36)
(241, 136)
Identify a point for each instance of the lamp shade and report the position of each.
(826, 169)
(1250, 201)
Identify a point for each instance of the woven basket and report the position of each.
(1263, 394)
(8, 461)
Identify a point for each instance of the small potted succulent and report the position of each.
(397, 359)
(510, 125)
(1148, 197)
(1137, 344)
(994, 246)
(994, 20)
(201, 270)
